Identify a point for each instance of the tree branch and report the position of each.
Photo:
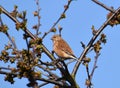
(7, 34)
(28, 32)
(54, 76)
(43, 84)
(38, 15)
(67, 6)
(50, 81)
(94, 66)
(47, 52)
(104, 6)
(77, 65)
(5, 73)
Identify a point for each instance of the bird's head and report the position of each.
(55, 38)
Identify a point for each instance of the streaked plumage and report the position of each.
(61, 48)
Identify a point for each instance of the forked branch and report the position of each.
(92, 40)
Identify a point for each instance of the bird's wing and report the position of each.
(65, 47)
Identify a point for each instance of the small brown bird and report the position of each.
(62, 49)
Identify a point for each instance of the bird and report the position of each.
(61, 48)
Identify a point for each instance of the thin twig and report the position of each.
(7, 34)
(50, 81)
(88, 75)
(48, 71)
(104, 6)
(5, 68)
(17, 22)
(38, 15)
(94, 66)
(77, 65)
(68, 4)
(28, 50)
(4, 73)
(43, 84)
(11, 40)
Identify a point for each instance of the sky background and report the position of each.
(80, 17)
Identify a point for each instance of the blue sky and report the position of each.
(80, 17)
